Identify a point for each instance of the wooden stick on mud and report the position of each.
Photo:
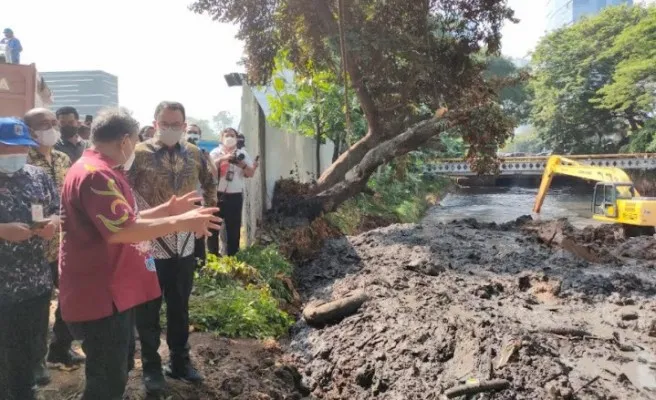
(590, 382)
(480, 387)
(319, 314)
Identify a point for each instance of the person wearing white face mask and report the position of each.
(164, 166)
(233, 165)
(45, 131)
(28, 199)
(106, 260)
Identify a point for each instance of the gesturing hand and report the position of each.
(180, 205)
(16, 232)
(48, 231)
(201, 220)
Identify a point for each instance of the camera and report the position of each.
(236, 158)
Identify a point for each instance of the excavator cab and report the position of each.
(604, 200)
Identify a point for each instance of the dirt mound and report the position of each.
(452, 303)
(233, 369)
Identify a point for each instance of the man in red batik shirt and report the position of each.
(105, 266)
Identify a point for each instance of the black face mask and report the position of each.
(68, 132)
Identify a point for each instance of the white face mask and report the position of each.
(229, 142)
(169, 136)
(193, 136)
(12, 163)
(48, 137)
(128, 163)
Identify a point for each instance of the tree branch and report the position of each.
(331, 29)
(356, 178)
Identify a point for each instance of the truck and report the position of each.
(21, 89)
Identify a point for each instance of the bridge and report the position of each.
(534, 165)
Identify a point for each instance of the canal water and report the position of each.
(507, 204)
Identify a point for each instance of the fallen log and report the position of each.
(321, 313)
(480, 387)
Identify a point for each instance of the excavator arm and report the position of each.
(557, 165)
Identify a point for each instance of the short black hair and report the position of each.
(113, 124)
(200, 131)
(170, 105)
(232, 130)
(68, 110)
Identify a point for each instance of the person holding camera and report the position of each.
(234, 165)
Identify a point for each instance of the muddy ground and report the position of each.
(449, 303)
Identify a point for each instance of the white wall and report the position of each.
(281, 155)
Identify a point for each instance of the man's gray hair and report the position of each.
(113, 124)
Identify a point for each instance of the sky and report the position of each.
(162, 51)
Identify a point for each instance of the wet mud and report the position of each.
(458, 303)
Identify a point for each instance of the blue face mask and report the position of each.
(12, 163)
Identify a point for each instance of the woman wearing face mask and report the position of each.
(234, 166)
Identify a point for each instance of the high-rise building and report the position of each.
(87, 91)
(561, 13)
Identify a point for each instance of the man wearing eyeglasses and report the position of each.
(165, 166)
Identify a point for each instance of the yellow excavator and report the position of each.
(615, 198)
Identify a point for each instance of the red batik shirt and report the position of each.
(98, 278)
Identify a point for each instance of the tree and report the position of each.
(206, 129)
(313, 106)
(407, 62)
(572, 71)
(633, 88)
(515, 99)
(223, 120)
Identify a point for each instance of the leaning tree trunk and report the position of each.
(338, 169)
(356, 178)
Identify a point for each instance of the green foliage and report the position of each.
(305, 104)
(237, 311)
(394, 200)
(272, 267)
(528, 142)
(643, 141)
(239, 296)
(633, 88)
(586, 87)
(515, 99)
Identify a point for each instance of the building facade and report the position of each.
(561, 13)
(87, 91)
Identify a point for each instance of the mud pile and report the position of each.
(452, 303)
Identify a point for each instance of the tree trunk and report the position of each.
(336, 172)
(317, 127)
(356, 178)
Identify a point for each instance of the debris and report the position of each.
(478, 387)
(322, 313)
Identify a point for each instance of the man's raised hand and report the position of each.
(183, 204)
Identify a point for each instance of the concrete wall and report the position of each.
(282, 155)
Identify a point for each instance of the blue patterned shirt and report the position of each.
(24, 270)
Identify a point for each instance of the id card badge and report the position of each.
(37, 212)
(150, 264)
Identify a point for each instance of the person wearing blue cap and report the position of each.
(28, 200)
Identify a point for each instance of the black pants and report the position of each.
(106, 343)
(61, 338)
(230, 205)
(22, 328)
(176, 277)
